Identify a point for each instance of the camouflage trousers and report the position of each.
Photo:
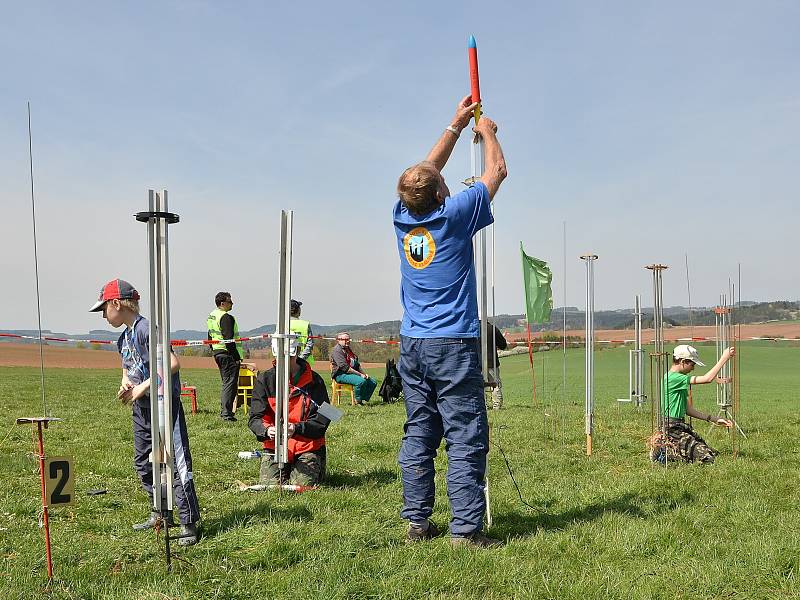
(308, 468)
(687, 445)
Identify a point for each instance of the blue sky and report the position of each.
(654, 130)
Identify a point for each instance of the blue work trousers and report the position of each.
(443, 391)
(182, 479)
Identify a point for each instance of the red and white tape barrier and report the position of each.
(266, 336)
(54, 339)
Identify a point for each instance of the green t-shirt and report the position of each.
(675, 395)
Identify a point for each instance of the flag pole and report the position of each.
(538, 304)
(530, 357)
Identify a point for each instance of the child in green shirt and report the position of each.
(676, 403)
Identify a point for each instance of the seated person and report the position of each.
(676, 403)
(345, 368)
(306, 448)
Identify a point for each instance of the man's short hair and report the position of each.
(417, 188)
(294, 308)
(222, 297)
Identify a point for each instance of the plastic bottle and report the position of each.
(248, 454)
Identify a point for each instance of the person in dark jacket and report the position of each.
(496, 342)
(228, 356)
(307, 427)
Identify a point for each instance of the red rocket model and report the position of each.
(472, 48)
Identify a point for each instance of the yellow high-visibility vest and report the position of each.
(215, 331)
(300, 327)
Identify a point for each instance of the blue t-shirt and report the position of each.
(437, 286)
(134, 346)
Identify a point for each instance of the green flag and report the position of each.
(538, 295)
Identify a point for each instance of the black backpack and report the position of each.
(392, 385)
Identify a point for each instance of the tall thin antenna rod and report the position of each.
(36, 264)
(562, 410)
(689, 295)
(739, 302)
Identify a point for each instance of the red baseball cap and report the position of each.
(116, 289)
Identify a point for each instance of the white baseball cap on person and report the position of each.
(686, 352)
(292, 346)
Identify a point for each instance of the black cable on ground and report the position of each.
(513, 479)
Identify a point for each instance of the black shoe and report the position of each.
(418, 534)
(228, 418)
(151, 522)
(189, 535)
(474, 540)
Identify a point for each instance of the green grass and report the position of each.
(612, 526)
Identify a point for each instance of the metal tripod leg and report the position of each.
(726, 414)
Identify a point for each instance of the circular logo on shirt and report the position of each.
(419, 247)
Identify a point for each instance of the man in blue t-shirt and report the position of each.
(442, 382)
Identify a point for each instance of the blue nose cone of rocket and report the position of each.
(471, 43)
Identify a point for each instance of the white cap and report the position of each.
(686, 352)
(292, 341)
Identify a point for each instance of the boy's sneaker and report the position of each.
(474, 540)
(151, 522)
(190, 535)
(417, 533)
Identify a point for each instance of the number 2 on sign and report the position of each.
(59, 478)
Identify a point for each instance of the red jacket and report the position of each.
(307, 393)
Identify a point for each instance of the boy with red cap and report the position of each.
(119, 302)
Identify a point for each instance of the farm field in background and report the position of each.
(69, 357)
(609, 526)
(780, 329)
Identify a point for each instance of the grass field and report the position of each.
(612, 526)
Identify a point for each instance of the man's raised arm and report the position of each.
(495, 163)
(441, 151)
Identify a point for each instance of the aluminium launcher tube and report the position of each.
(590, 398)
(589, 342)
(478, 165)
(282, 331)
(281, 367)
(639, 362)
(155, 428)
(480, 264)
(166, 350)
(286, 326)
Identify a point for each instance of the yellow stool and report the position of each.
(340, 388)
(247, 380)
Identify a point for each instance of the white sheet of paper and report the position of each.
(330, 412)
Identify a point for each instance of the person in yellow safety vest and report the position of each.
(228, 356)
(303, 329)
